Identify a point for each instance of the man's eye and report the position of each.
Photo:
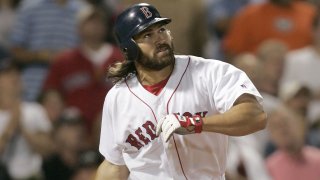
(146, 35)
(162, 29)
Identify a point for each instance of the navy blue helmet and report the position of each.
(131, 22)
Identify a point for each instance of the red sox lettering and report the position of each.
(151, 131)
(139, 139)
(202, 114)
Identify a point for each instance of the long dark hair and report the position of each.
(121, 70)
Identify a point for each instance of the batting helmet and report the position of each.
(133, 21)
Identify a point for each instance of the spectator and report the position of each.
(41, 31)
(272, 56)
(302, 65)
(69, 139)
(110, 9)
(53, 103)
(297, 97)
(293, 160)
(24, 128)
(219, 14)
(286, 20)
(79, 74)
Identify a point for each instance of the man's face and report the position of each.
(93, 29)
(10, 82)
(156, 47)
(287, 131)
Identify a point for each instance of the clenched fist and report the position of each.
(174, 123)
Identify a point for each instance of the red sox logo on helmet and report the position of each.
(146, 12)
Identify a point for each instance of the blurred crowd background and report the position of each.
(53, 60)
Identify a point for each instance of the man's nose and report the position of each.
(159, 37)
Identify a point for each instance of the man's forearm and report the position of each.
(107, 170)
(241, 119)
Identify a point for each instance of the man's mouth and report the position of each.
(162, 48)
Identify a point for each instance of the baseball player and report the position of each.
(169, 116)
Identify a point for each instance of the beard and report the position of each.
(157, 63)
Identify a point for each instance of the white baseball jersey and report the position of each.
(130, 115)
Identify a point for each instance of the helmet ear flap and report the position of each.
(130, 49)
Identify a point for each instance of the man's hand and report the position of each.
(174, 123)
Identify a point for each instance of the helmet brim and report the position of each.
(146, 25)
